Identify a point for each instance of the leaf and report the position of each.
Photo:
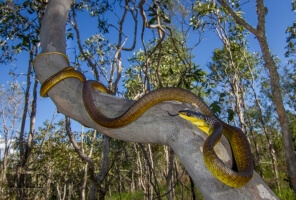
(215, 107)
(230, 114)
(152, 20)
(70, 36)
(221, 97)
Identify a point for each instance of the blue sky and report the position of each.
(278, 19)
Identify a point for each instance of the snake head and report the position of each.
(197, 119)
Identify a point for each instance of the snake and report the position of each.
(238, 141)
(215, 127)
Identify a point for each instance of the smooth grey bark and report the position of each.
(155, 126)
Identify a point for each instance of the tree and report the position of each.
(11, 100)
(260, 34)
(174, 132)
(165, 64)
(19, 32)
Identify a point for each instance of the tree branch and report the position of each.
(237, 18)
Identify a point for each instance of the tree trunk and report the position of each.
(155, 126)
(104, 165)
(25, 147)
(170, 159)
(192, 189)
(268, 138)
(260, 34)
(84, 181)
(152, 179)
(48, 181)
(141, 180)
(283, 117)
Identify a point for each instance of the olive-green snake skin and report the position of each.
(214, 127)
(237, 139)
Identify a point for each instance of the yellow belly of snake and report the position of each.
(240, 147)
(237, 139)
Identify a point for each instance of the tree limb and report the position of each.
(237, 18)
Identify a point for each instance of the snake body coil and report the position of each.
(240, 147)
(237, 139)
(140, 106)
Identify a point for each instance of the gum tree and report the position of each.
(155, 126)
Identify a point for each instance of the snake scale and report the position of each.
(238, 141)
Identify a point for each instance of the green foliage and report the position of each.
(215, 107)
(158, 11)
(168, 66)
(291, 43)
(96, 8)
(288, 81)
(100, 51)
(286, 194)
(137, 195)
(291, 40)
(98, 46)
(292, 118)
(19, 27)
(205, 11)
(293, 5)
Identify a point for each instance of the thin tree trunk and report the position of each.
(25, 147)
(106, 140)
(141, 183)
(21, 192)
(105, 165)
(170, 157)
(29, 144)
(268, 139)
(5, 157)
(233, 78)
(48, 181)
(151, 173)
(256, 146)
(284, 123)
(192, 189)
(69, 192)
(84, 182)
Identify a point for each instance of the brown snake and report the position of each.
(237, 139)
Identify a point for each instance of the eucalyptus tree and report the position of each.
(289, 80)
(182, 142)
(11, 100)
(54, 157)
(19, 33)
(169, 71)
(245, 84)
(170, 65)
(103, 57)
(233, 9)
(260, 33)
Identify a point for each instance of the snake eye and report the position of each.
(189, 114)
